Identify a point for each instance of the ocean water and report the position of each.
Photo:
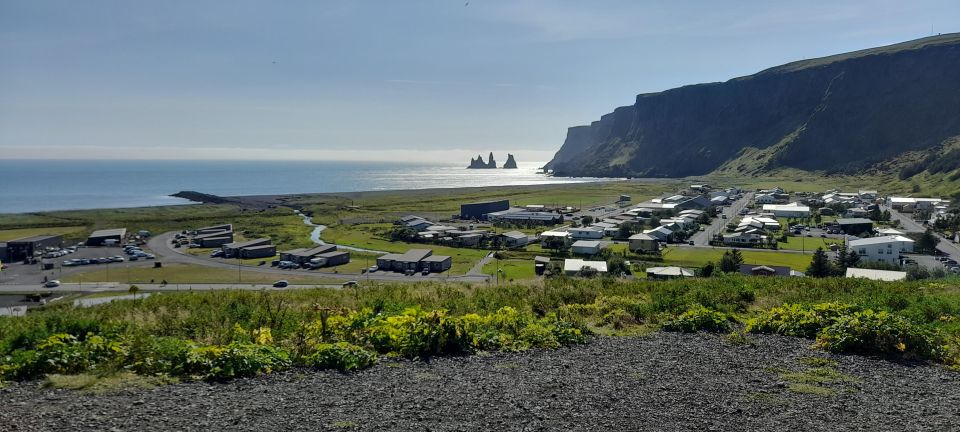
(35, 185)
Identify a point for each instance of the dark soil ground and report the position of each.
(660, 382)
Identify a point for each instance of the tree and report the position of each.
(817, 218)
(875, 214)
(558, 244)
(730, 261)
(617, 265)
(625, 231)
(927, 243)
(707, 269)
(587, 220)
(820, 265)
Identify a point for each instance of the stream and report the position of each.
(318, 229)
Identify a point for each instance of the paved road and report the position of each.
(124, 287)
(907, 224)
(162, 247)
(702, 238)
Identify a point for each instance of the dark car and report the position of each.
(281, 284)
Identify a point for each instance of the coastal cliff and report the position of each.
(847, 113)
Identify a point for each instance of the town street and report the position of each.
(702, 238)
(907, 224)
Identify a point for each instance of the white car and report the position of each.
(51, 284)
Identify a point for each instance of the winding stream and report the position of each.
(318, 229)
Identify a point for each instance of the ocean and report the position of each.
(42, 185)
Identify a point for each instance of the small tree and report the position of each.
(820, 265)
(927, 243)
(730, 261)
(617, 265)
(587, 220)
(707, 269)
(134, 290)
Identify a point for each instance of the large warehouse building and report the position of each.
(21, 249)
(479, 210)
(100, 237)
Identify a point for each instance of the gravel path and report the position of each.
(662, 382)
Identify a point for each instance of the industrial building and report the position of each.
(586, 247)
(414, 260)
(855, 226)
(214, 239)
(262, 251)
(479, 210)
(232, 250)
(885, 249)
(105, 236)
(331, 259)
(643, 243)
(304, 255)
(213, 229)
(24, 248)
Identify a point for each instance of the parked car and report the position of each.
(372, 269)
(216, 253)
(351, 283)
(51, 284)
(117, 259)
(425, 272)
(134, 258)
(281, 284)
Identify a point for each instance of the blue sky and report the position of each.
(385, 80)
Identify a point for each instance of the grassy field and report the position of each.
(696, 257)
(512, 269)
(13, 234)
(188, 273)
(807, 244)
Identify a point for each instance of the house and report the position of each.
(644, 243)
(881, 249)
(909, 205)
(751, 237)
(586, 233)
(586, 247)
(856, 212)
(758, 222)
(547, 236)
(699, 202)
(768, 270)
(890, 232)
(469, 240)
(867, 195)
(855, 226)
(514, 239)
(660, 233)
(880, 275)
(668, 273)
(540, 264)
(769, 198)
(213, 239)
(792, 210)
(419, 224)
(574, 266)
(609, 229)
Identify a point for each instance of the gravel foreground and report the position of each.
(660, 382)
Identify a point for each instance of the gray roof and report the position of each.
(436, 258)
(514, 235)
(586, 243)
(33, 239)
(217, 234)
(333, 254)
(389, 257)
(267, 246)
(109, 232)
(248, 243)
(854, 221)
(541, 259)
(414, 255)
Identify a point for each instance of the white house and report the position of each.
(668, 273)
(547, 236)
(643, 243)
(589, 232)
(751, 237)
(792, 210)
(881, 249)
(574, 266)
(609, 229)
(515, 239)
(586, 247)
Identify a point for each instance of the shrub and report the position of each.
(870, 332)
(234, 360)
(699, 319)
(342, 356)
(798, 320)
(62, 353)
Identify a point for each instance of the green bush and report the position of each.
(62, 353)
(234, 360)
(870, 332)
(798, 320)
(700, 319)
(342, 356)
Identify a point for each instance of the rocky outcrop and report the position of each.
(841, 114)
(510, 163)
(478, 163)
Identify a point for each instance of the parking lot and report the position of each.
(20, 273)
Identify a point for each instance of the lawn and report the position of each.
(808, 244)
(13, 234)
(696, 257)
(513, 269)
(188, 273)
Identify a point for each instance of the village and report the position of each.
(694, 232)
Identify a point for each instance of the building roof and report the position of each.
(589, 228)
(541, 259)
(517, 235)
(878, 240)
(748, 269)
(333, 254)
(33, 239)
(414, 255)
(389, 257)
(314, 251)
(642, 236)
(854, 221)
(109, 232)
(575, 265)
(659, 229)
(890, 231)
(436, 258)
(786, 207)
(555, 234)
(669, 271)
(586, 243)
(213, 234)
(881, 275)
(258, 247)
(248, 243)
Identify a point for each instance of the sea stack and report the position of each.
(510, 163)
(478, 163)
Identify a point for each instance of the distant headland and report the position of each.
(478, 163)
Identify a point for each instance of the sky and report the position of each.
(386, 80)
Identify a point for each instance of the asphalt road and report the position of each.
(124, 287)
(702, 238)
(907, 224)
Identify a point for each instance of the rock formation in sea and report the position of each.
(479, 163)
(510, 163)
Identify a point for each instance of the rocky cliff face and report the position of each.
(841, 113)
(510, 163)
